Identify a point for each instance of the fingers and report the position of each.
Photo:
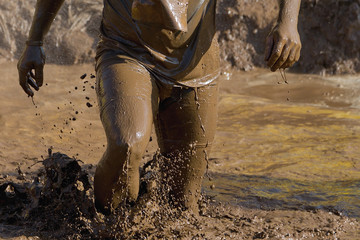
(26, 79)
(30, 67)
(294, 56)
(31, 82)
(283, 46)
(39, 76)
(284, 55)
(282, 59)
(290, 60)
(275, 54)
(23, 77)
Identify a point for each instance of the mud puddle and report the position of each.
(288, 145)
(58, 204)
(328, 91)
(261, 192)
(285, 158)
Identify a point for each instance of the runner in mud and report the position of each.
(157, 62)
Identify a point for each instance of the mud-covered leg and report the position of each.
(186, 129)
(128, 99)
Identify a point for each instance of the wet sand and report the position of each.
(285, 155)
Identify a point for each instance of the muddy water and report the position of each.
(286, 145)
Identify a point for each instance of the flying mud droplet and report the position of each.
(83, 76)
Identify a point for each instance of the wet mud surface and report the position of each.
(58, 203)
(299, 142)
(284, 163)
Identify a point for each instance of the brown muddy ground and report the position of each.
(284, 164)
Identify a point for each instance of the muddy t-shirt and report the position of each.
(173, 39)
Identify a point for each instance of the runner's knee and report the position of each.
(127, 147)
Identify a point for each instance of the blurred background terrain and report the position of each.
(330, 33)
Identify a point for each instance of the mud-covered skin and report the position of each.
(33, 57)
(130, 101)
(129, 92)
(186, 129)
(283, 42)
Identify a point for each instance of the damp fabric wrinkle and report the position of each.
(176, 46)
(173, 15)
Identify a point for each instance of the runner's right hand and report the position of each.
(30, 68)
(283, 46)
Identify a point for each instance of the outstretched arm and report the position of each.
(283, 42)
(32, 60)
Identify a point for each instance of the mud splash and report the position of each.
(58, 203)
(57, 198)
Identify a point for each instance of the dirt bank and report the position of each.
(330, 32)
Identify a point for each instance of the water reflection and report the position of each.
(266, 193)
(292, 145)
